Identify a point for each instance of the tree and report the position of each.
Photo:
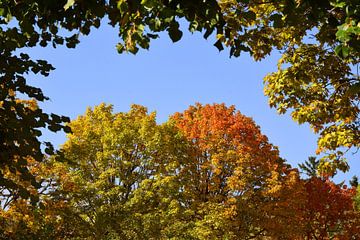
(310, 167)
(122, 172)
(20, 121)
(45, 215)
(317, 76)
(235, 171)
(329, 211)
(112, 155)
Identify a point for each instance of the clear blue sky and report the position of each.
(168, 78)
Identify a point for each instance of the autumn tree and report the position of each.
(330, 212)
(46, 215)
(207, 173)
(237, 183)
(122, 166)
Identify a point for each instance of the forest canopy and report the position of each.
(206, 173)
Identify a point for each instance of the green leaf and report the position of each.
(208, 32)
(133, 50)
(354, 89)
(345, 51)
(250, 15)
(55, 127)
(343, 35)
(277, 19)
(153, 36)
(149, 3)
(219, 45)
(342, 51)
(193, 26)
(8, 17)
(338, 50)
(338, 4)
(174, 32)
(122, 6)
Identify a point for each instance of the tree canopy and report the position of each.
(206, 173)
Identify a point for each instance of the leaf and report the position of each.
(174, 33)
(338, 4)
(338, 50)
(342, 51)
(67, 129)
(149, 4)
(250, 15)
(152, 36)
(54, 127)
(208, 32)
(277, 19)
(343, 35)
(354, 89)
(219, 45)
(8, 17)
(345, 51)
(69, 4)
(120, 48)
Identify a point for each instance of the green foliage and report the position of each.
(317, 76)
(354, 182)
(27, 24)
(310, 167)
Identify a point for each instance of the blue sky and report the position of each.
(168, 78)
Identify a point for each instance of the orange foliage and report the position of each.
(229, 149)
(329, 212)
(235, 165)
